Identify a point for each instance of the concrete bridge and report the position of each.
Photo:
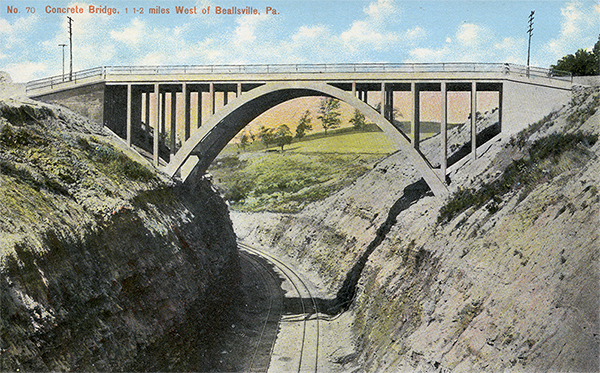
(132, 102)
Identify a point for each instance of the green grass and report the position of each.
(305, 172)
(358, 142)
(114, 161)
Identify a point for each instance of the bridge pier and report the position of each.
(444, 132)
(474, 120)
(415, 121)
(129, 115)
(156, 135)
(173, 137)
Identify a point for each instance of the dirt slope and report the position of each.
(508, 283)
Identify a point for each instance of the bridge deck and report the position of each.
(300, 72)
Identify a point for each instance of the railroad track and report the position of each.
(300, 355)
(259, 361)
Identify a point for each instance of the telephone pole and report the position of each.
(530, 32)
(63, 65)
(70, 47)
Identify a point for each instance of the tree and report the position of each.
(283, 136)
(583, 63)
(244, 141)
(329, 113)
(266, 135)
(358, 120)
(303, 125)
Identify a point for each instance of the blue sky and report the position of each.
(307, 31)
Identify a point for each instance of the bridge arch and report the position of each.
(208, 141)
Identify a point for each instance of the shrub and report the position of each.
(21, 137)
(116, 161)
(521, 173)
(23, 114)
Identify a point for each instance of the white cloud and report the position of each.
(415, 34)
(153, 58)
(247, 25)
(15, 33)
(579, 29)
(309, 33)
(132, 34)
(429, 55)
(380, 10)
(470, 34)
(472, 43)
(23, 72)
(363, 34)
(512, 48)
(371, 32)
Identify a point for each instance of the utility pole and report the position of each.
(71, 47)
(63, 65)
(530, 32)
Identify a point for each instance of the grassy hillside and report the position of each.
(258, 179)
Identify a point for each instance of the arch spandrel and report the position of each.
(208, 141)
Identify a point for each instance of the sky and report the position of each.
(301, 31)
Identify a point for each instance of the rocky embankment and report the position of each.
(501, 277)
(105, 265)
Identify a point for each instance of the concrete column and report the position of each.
(444, 132)
(136, 110)
(383, 101)
(163, 109)
(199, 116)
(415, 124)
(147, 118)
(390, 106)
(186, 111)
(474, 120)
(239, 90)
(211, 93)
(354, 89)
(129, 119)
(173, 122)
(156, 124)
(225, 97)
(500, 99)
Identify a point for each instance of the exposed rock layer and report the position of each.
(103, 260)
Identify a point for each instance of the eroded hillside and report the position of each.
(502, 277)
(104, 262)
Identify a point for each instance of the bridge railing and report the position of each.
(58, 80)
(100, 73)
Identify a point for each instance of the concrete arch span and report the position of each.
(208, 141)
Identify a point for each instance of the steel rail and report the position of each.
(281, 265)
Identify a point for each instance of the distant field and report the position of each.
(258, 179)
(357, 142)
(337, 141)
